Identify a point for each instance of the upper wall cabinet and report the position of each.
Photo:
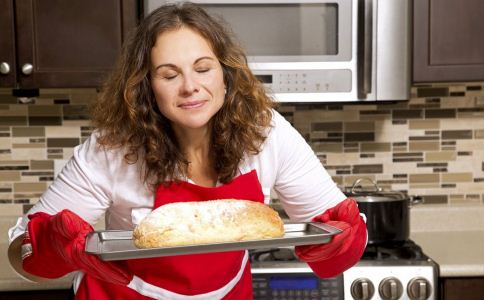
(7, 44)
(448, 40)
(58, 43)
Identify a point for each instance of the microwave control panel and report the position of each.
(306, 81)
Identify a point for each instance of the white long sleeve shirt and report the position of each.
(96, 182)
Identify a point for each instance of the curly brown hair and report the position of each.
(127, 116)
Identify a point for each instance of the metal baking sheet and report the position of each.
(118, 245)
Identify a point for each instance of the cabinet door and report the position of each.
(448, 40)
(461, 288)
(70, 43)
(7, 44)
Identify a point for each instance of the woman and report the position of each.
(181, 119)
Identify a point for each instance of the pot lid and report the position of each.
(376, 195)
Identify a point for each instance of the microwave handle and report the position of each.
(364, 48)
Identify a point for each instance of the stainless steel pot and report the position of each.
(387, 212)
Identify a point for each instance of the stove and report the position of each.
(391, 271)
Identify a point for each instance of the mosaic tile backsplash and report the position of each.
(431, 145)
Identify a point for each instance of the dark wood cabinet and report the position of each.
(460, 288)
(63, 43)
(7, 44)
(448, 40)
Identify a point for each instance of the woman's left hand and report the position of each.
(345, 249)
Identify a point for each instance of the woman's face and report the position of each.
(186, 78)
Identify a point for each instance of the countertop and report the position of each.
(452, 236)
(458, 253)
(9, 279)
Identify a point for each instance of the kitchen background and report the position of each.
(431, 145)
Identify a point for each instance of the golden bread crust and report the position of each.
(206, 222)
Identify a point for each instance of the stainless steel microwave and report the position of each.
(322, 51)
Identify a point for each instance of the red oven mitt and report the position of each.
(345, 249)
(54, 246)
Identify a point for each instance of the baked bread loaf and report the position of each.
(213, 221)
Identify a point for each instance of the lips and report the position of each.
(192, 104)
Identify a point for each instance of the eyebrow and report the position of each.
(174, 66)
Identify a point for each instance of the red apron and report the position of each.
(197, 276)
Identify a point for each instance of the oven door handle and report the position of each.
(364, 48)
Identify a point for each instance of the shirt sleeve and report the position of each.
(304, 187)
(83, 186)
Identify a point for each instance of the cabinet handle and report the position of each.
(27, 69)
(4, 68)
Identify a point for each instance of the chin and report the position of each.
(195, 123)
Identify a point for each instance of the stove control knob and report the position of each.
(419, 289)
(390, 288)
(362, 289)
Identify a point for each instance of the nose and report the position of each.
(190, 84)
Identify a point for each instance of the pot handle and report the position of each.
(357, 184)
(414, 200)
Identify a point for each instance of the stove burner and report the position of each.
(394, 251)
(274, 254)
(407, 250)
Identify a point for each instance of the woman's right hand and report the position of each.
(54, 246)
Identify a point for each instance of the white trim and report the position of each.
(76, 281)
(155, 292)
(17, 230)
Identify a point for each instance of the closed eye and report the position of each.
(170, 77)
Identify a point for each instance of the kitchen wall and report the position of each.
(432, 145)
